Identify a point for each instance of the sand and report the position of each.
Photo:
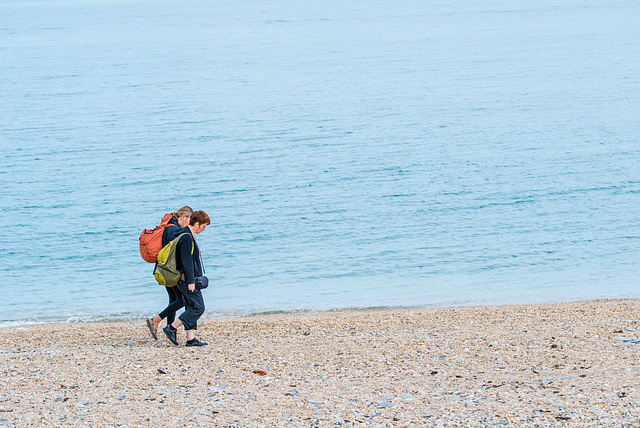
(569, 364)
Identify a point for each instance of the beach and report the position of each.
(565, 364)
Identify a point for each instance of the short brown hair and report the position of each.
(199, 217)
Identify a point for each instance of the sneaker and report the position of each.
(171, 334)
(152, 328)
(196, 342)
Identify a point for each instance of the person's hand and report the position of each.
(192, 287)
(182, 277)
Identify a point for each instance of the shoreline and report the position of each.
(549, 364)
(130, 317)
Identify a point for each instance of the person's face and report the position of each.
(198, 228)
(183, 221)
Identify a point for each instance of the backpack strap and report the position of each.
(177, 238)
(165, 219)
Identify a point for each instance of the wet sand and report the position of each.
(569, 364)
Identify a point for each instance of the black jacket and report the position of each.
(169, 233)
(188, 263)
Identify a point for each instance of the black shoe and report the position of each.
(196, 342)
(171, 334)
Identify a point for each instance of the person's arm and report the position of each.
(185, 245)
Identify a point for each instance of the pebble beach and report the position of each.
(560, 365)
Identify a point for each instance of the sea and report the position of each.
(351, 154)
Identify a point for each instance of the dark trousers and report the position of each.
(194, 306)
(175, 303)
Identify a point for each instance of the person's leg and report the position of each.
(196, 309)
(170, 312)
(171, 329)
(175, 303)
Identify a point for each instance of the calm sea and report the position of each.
(351, 154)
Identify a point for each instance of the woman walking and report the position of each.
(179, 220)
(189, 264)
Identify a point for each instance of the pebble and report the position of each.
(384, 368)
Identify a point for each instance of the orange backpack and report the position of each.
(151, 240)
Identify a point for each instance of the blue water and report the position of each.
(350, 154)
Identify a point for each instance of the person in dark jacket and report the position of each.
(189, 263)
(179, 220)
